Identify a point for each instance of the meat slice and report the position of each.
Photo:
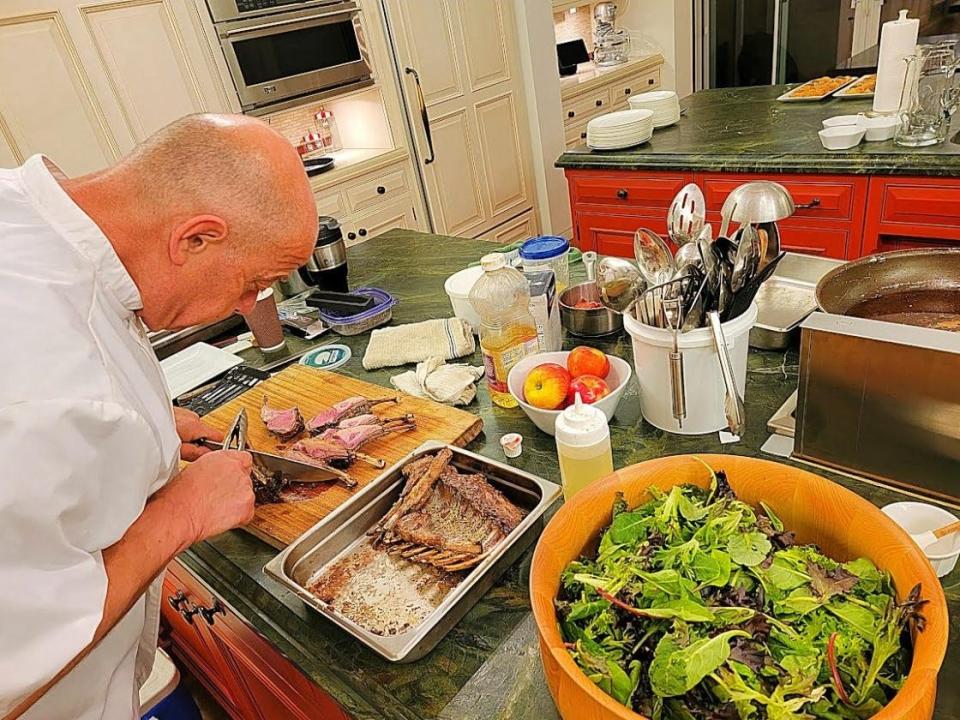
(285, 424)
(483, 497)
(355, 437)
(351, 407)
(328, 452)
(418, 494)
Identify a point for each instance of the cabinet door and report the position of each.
(520, 228)
(399, 214)
(477, 158)
(613, 234)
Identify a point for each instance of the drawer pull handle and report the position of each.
(209, 613)
(808, 206)
(362, 232)
(622, 194)
(627, 91)
(650, 81)
(177, 600)
(571, 114)
(381, 189)
(583, 136)
(351, 236)
(599, 103)
(188, 613)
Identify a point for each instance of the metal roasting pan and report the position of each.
(338, 533)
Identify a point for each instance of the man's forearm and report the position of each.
(156, 537)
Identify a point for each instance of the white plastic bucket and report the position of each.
(705, 391)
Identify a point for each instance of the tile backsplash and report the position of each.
(294, 123)
(571, 26)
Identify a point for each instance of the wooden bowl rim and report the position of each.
(925, 665)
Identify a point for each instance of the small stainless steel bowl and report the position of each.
(594, 322)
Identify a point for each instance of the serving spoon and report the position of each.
(928, 538)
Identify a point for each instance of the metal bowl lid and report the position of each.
(544, 247)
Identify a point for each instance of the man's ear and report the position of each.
(194, 236)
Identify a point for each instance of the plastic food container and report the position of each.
(916, 518)
(705, 390)
(547, 252)
(458, 288)
(379, 314)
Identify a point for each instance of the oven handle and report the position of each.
(423, 115)
(289, 21)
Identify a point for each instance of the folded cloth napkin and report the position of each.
(435, 380)
(448, 339)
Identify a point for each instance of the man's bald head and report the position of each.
(204, 214)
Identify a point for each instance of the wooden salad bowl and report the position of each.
(842, 523)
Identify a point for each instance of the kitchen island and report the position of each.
(874, 197)
(488, 666)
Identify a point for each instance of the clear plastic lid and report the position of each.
(581, 424)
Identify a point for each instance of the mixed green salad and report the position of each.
(699, 606)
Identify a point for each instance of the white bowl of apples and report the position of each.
(545, 383)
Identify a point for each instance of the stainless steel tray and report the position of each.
(337, 533)
(787, 298)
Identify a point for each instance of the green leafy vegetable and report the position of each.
(749, 548)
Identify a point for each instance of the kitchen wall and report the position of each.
(572, 25)
(665, 26)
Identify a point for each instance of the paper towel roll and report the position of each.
(898, 40)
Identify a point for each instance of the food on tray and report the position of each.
(546, 386)
(863, 86)
(698, 605)
(587, 305)
(343, 410)
(820, 86)
(584, 360)
(444, 521)
(590, 387)
(340, 445)
(285, 424)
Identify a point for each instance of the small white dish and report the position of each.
(193, 366)
(842, 137)
(842, 120)
(917, 517)
(880, 128)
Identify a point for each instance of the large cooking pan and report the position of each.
(912, 287)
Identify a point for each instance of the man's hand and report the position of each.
(191, 428)
(215, 494)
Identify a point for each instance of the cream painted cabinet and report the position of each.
(460, 74)
(84, 82)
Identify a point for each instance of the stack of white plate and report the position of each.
(621, 129)
(663, 103)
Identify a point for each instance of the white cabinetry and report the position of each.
(84, 82)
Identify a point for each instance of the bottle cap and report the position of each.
(581, 424)
(493, 261)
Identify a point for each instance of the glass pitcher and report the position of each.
(930, 95)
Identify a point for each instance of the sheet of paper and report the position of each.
(779, 445)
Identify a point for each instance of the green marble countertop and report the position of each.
(748, 130)
(488, 667)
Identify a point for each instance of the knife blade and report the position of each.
(290, 470)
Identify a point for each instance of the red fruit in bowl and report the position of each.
(585, 360)
(546, 386)
(590, 387)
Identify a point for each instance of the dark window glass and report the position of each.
(294, 52)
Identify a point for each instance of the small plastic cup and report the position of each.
(264, 322)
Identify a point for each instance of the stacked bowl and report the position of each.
(621, 129)
(664, 105)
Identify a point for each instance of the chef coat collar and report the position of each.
(74, 225)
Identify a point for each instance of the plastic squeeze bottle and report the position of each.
(508, 332)
(583, 447)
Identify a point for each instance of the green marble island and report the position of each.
(748, 130)
(488, 667)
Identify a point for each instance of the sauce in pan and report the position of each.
(938, 309)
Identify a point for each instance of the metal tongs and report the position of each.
(268, 464)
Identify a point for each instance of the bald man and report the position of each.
(186, 230)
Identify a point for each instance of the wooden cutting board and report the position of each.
(312, 390)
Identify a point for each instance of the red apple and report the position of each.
(590, 387)
(546, 386)
(585, 360)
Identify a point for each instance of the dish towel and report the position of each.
(435, 380)
(445, 338)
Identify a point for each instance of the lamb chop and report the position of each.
(356, 436)
(285, 424)
(330, 452)
(371, 419)
(308, 460)
(349, 408)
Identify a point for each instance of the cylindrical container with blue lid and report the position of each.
(547, 252)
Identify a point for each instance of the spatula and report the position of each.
(928, 538)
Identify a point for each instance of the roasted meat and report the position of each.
(371, 419)
(483, 497)
(285, 424)
(349, 408)
(267, 486)
(327, 452)
(343, 477)
(355, 437)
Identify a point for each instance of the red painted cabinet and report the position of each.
(244, 672)
(838, 216)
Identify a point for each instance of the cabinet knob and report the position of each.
(583, 135)
(188, 613)
(209, 613)
(599, 103)
(381, 189)
(351, 236)
(362, 232)
(177, 600)
(650, 81)
(571, 114)
(627, 91)
(622, 194)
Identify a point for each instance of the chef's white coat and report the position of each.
(86, 436)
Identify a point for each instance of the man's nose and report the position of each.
(247, 301)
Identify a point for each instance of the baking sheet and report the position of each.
(846, 94)
(790, 96)
(344, 532)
